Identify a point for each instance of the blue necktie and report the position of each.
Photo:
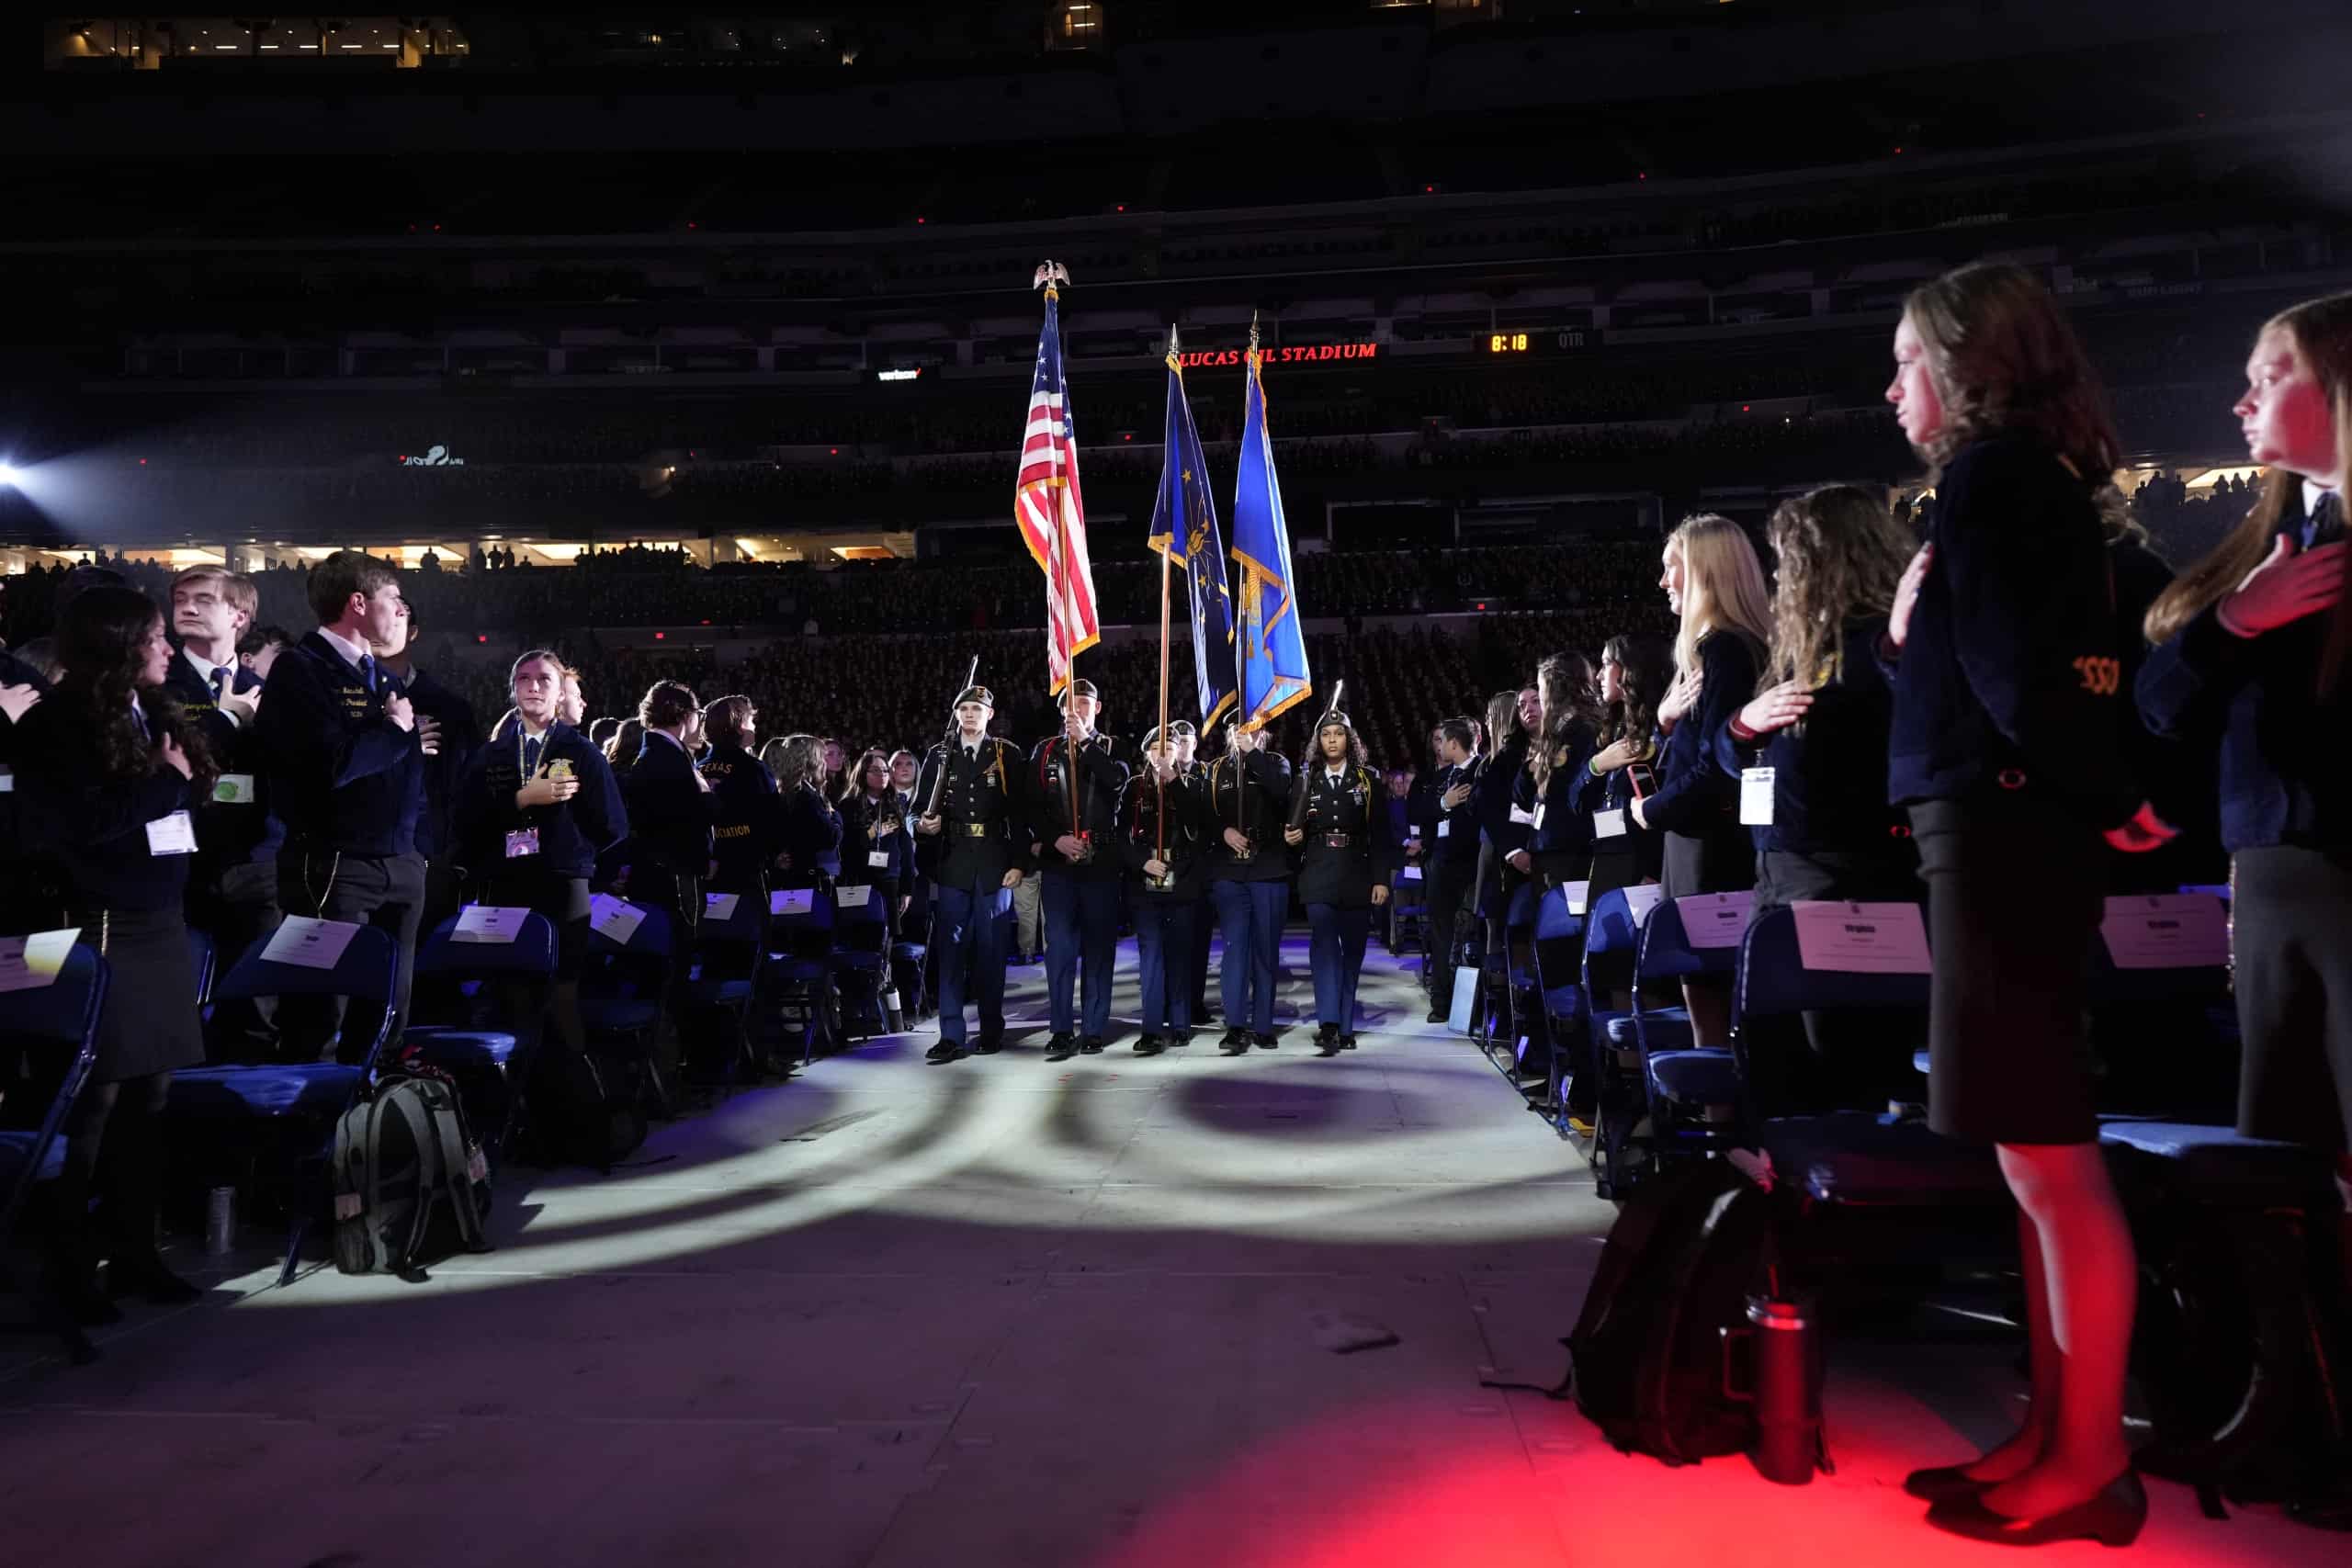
(530, 758)
(367, 672)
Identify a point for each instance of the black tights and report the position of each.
(114, 1147)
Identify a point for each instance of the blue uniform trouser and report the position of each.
(1081, 939)
(1336, 951)
(1164, 953)
(967, 935)
(1250, 914)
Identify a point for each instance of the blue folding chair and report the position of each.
(1689, 1090)
(730, 950)
(56, 1026)
(300, 1098)
(622, 985)
(799, 971)
(1851, 1157)
(1556, 946)
(491, 1064)
(860, 963)
(2167, 1037)
(1611, 944)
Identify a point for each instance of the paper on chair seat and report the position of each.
(489, 923)
(29, 963)
(312, 945)
(1865, 938)
(720, 905)
(793, 901)
(615, 920)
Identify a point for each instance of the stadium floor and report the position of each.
(998, 1312)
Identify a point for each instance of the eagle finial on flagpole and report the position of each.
(1050, 275)
(1254, 331)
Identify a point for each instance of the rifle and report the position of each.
(947, 752)
(1312, 759)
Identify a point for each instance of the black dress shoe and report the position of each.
(1347, 1042)
(2112, 1517)
(1267, 1041)
(1180, 1037)
(945, 1051)
(149, 1277)
(1148, 1046)
(1091, 1046)
(1437, 1014)
(988, 1046)
(1942, 1481)
(1326, 1038)
(1237, 1040)
(1061, 1048)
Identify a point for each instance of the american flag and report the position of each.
(1051, 510)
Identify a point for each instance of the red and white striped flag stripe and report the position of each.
(1051, 510)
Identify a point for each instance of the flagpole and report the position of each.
(1160, 817)
(1066, 612)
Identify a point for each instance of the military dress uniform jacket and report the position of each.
(1181, 846)
(1349, 848)
(1257, 800)
(1102, 775)
(984, 805)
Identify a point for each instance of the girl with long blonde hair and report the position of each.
(2251, 646)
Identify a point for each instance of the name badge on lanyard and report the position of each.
(173, 835)
(233, 789)
(1444, 828)
(1755, 796)
(1608, 824)
(878, 859)
(522, 841)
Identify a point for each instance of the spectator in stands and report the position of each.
(536, 805)
(111, 770)
(347, 767)
(232, 892)
(2252, 648)
(1713, 582)
(2005, 745)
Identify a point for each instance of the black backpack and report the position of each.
(1650, 1355)
(411, 1186)
(588, 1106)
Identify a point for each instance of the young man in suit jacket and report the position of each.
(233, 885)
(345, 769)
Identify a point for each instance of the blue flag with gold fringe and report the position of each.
(1271, 639)
(1183, 528)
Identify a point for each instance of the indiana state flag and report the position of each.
(1183, 528)
(1273, 641)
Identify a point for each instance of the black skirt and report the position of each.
(2013, 899)
(150, 1023)
(1721, 860)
